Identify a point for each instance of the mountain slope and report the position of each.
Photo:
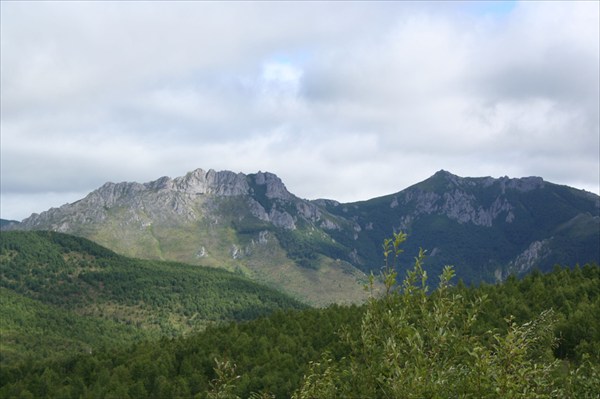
(71, 280)
(320, 250)
(245, 223)
(31, 329)
(272, 354)
(487, 228)
(7, 224)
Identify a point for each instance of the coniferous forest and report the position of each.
(79, 321)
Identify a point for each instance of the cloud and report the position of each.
(341, 100)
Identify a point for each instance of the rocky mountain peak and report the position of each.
(110, 193)
(445, 174)
(161, 198)
(219, 183)
(274, 187)
(463, 220)
(163, 183)
(223, 183)
(522, 184)
(442, 180)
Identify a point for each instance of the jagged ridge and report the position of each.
(484, 226)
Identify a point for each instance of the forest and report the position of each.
(535, 337)
(63, 294)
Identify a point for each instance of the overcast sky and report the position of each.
(342, 100)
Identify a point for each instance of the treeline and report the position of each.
(452, 342)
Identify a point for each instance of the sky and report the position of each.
(342, 100)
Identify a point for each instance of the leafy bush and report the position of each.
(415, 345)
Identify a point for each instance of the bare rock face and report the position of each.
(275, 189)
(222, 183)
(526, 260)
(464, 208)
(282, 219)
(257, 210)
(456, 199)
(458, 205)
(166, 197)
(309, 210)
(524, 184)
(182, 200)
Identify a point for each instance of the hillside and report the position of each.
(52, 282)
(248, 224)
(487, 228)
(6, 224)
(272, 354)
(322, 250)
(34, 331)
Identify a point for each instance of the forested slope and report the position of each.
(32, 330)
(272, 354)
(68, 294)
(573, 294)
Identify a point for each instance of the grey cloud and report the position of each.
(562, 73)
(342, 100)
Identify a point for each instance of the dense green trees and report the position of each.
(573, 294)
(270, 354)
(535, 337)
(62, 295)
(415, 345)
(30, 329)
(387, 341)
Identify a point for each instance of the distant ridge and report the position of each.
(320, 250)
(8, 223)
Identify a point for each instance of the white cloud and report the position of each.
(342, 100)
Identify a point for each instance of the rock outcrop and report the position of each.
(166, 198)
(456, 197)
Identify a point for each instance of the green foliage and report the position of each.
(573, 294)
(306, 246)
(31, 329)
(70, 277)
(222, 387)
(493, 341)
(414, 345)
(584, 381)
(269, 354)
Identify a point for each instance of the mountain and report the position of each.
(320, 250)
(250, 224)
(67, 294)
(487, 228)
(7, 223)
